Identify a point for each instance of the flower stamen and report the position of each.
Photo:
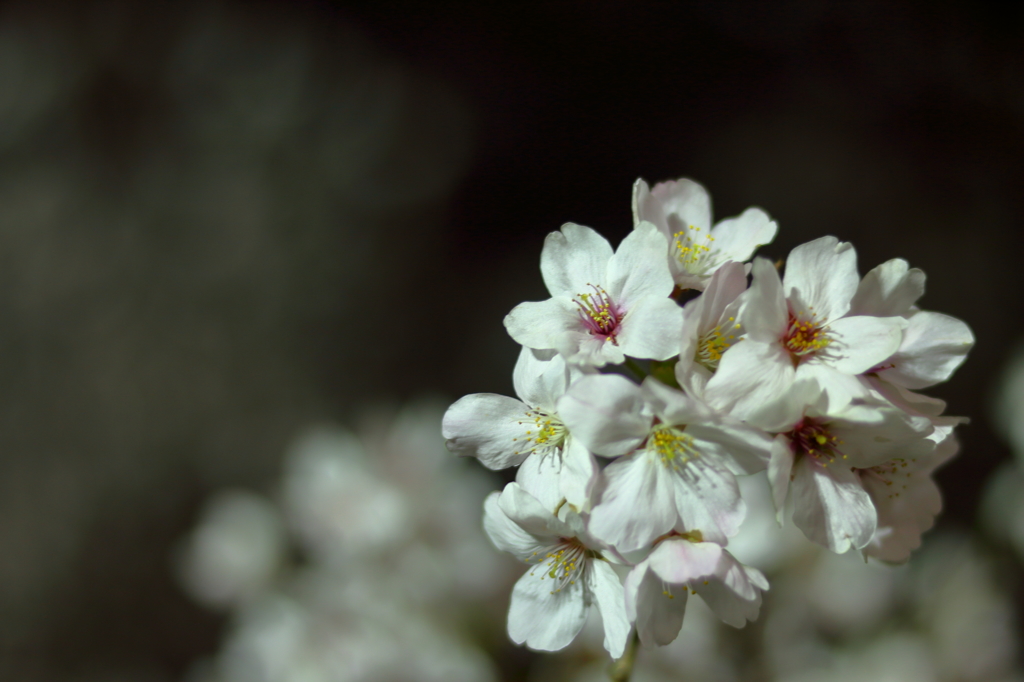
(598, 313)
(691, 253)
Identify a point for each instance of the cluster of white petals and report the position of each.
(661, 374)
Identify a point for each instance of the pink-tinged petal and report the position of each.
(677, 560)
(861, 343)
(488, 427)
(831, 507)
(543, 617)
(539, 382)
(650, 329)
(605, 591)
(888, 290)
(527, 511)
(708, 499)
(554, 323)
(658, 616)
(780, 468)
(734, 593)
(824, 272)
(509, 536)
(750, 375)
(637, 504)
(764, 314)
(638, 268)
(574, 258)
(934, 345)
(737, 238)
(606, 412)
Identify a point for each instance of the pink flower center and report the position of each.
(804, 336)
(599, 313)
(813, 439)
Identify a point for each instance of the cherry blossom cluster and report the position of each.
(685, 367)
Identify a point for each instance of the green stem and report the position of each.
(622, 669)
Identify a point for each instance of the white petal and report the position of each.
(750, 375)
(890, 289)
(507, 535)
(544, 619)
(568, 475)
(638, 502)
(539, 383)
(734, 592)
(554, 323)
(605, 591)
(824, 273)
(737, 238)
(606, 412)
(934, 345)
(708, 499)
(579, 474)
(725, 286)
(488, 427)
(638, 268)
(764, 315)
(541, 477)
(672, 206)
(657, 615)
(573, 258)
(527, 511)
(863, 342)
(650, 328)
(831, 507)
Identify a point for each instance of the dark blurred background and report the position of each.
(220, 221)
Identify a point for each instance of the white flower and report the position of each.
(906, 498)
(798, 328)
(710, 327)
(340, 509)
(603, 306)
(681, 210)
(933, 345)
(550, 602)
(818, 452)
(679, 464)
(235, 552)
(656, 589)
(503, 432)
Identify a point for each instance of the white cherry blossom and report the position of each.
(710, 327)
(933, 344)
(502, 432)
(603, 306)
(656, 589)
(550, 602)
(818, 453)
(798, 328)
(681, 210)
(678, 459)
